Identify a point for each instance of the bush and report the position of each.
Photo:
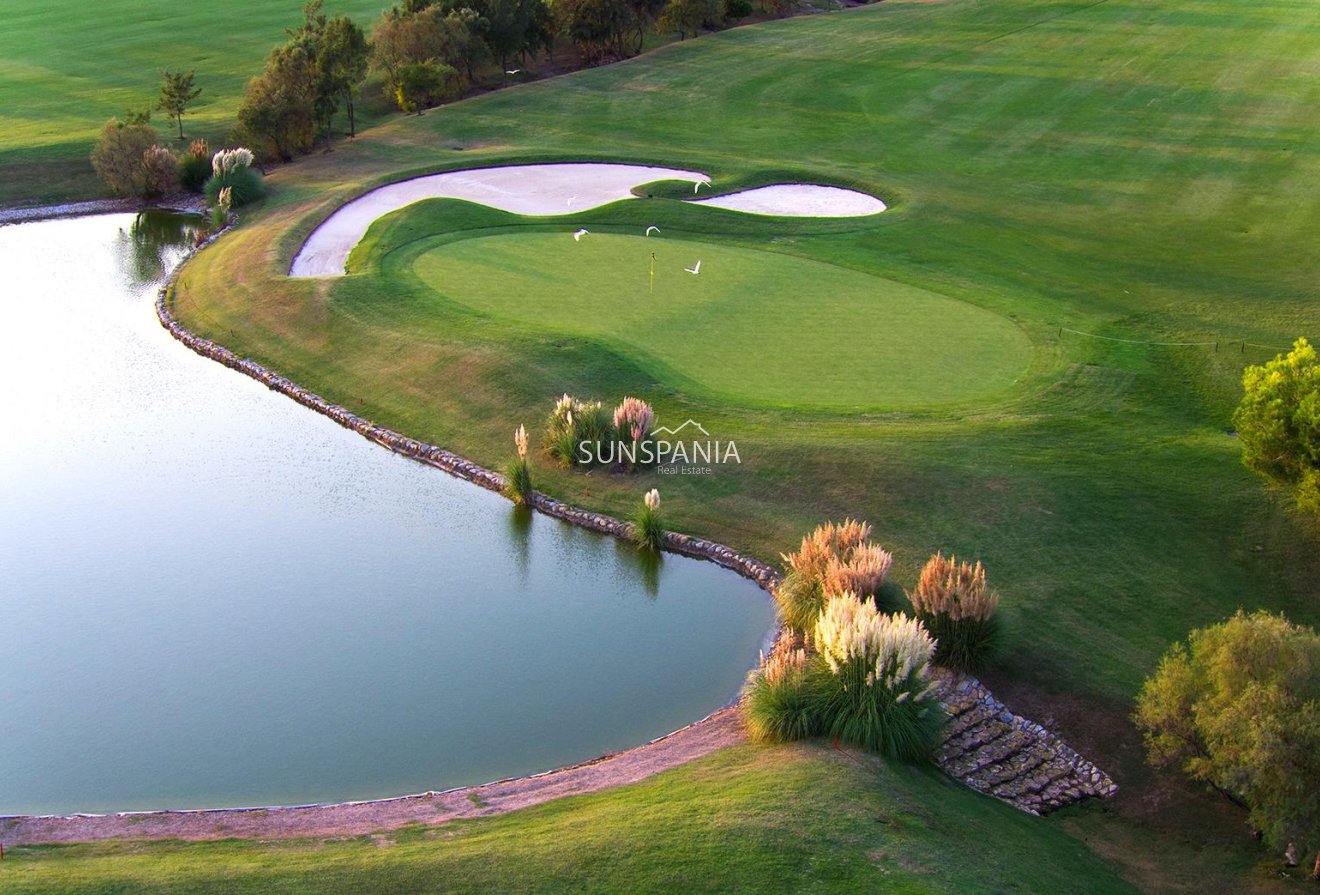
(195, 166)
(958, 609)
(867, 684)
(880, 697)
(245, 186)
(118, 156)
(573, 423)
(421, 85)
(647, 529)
(160, 172)
(1238, 707)
(734, 10)
(781, 700)
(632, 421)
(832, 559)
(1278, 422)
(518, 476)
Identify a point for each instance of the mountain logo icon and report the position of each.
(665, 430)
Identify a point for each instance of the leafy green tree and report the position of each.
(461, 41)
(118, 154)
(425, 84)
(177, 93)
(279, 106)
(688, 17)
(342, 61)
(1278, 421)
(1238, 707)
(602, 30)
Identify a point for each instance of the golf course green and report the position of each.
(1099, 213)
(750, 327)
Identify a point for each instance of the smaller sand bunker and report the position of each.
(799, 200)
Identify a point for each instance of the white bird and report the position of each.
(694, 269)
(512, 71)
(650, 228)
(577, 237)
(571, 199)
(698, 185)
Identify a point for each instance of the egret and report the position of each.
(650, 228)
(512, 71)
(571, 199)
(696, 187)
(577, 237)
(694, 269)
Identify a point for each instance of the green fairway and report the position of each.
(716, 826)
(751, 327)
(1145, 172)
(65, 68)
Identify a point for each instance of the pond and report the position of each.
(213, 596)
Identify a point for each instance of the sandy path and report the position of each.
(798, 200)
(521, 189)
(356, 818)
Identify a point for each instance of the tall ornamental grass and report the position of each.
(232, 168)
(518, 475)
(956, 605)
(880, 697)
(574, 423)
(780, 704)
(647, 527)
(834, 558)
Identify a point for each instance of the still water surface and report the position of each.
(212, 596)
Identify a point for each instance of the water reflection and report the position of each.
(153, 242)
(210, 595)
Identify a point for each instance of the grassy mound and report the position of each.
(751, 328)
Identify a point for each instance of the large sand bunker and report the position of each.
(521, 189)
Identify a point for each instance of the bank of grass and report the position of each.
(66, 68)
(1134, 170)
(718, 825)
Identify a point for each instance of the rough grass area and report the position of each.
(65, 68)
(720, 825)
(1140, 171)
(751, 327)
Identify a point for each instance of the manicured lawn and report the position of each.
(1140, 171)
(66, 68)
(751, 327)
(719, 825)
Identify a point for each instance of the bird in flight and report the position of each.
(512, 71)
(694, 269)
(577, 237)
(650, 228)
(572, 199)
(696, 187)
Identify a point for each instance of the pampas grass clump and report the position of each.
(833, 559)
(880, 697)
(573, 423)
(954, 603)
(647, 527)
(781, 700)
(518, 475)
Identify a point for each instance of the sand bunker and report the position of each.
(521, 189)
(799, 200)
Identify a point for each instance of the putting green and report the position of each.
(753, 327)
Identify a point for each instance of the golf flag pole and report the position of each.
(653, 271)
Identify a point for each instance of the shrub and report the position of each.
(735, 10)
(572, 423)
(118, 156)
(160, 172)
(647, 529)
(1238, 707)
(833, 558)
(421, 85)
(1278, 422)
(518, 477)
(245, 186)
(953, 602)
(195, 166)
(632, 425)
(880, 697)
(780, 703)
